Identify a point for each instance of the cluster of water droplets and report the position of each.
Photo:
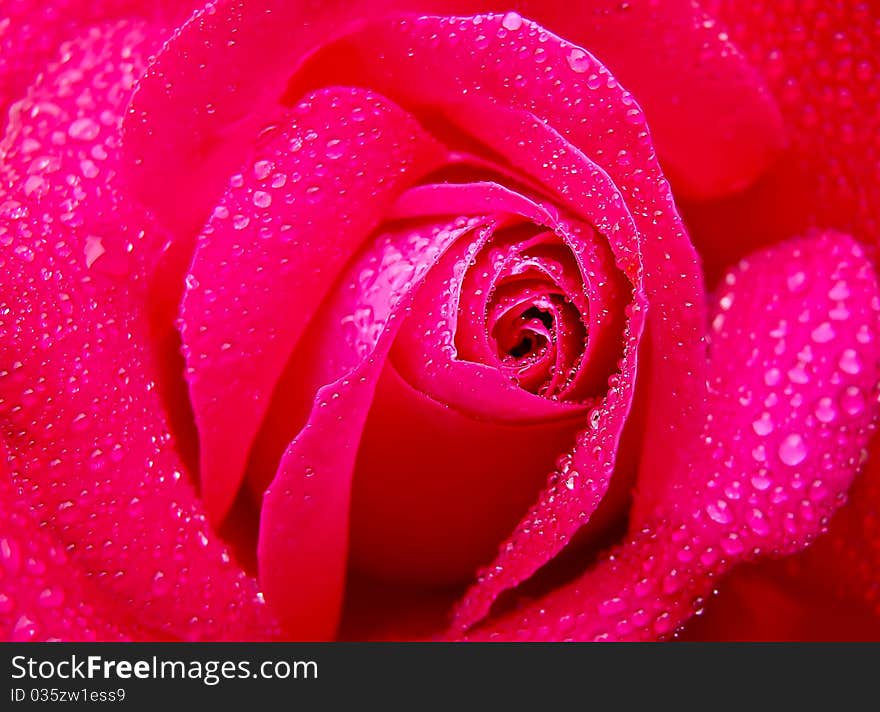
(90, 455)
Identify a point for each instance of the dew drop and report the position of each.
(839, 291)
(161, 585)
(772, 377)
(825, 411)
(578, 60)
(84, 129)
(512, 21)
(852, 401)
(719, 512)
(796, 281)
(757, 523)
(849, 362)
(823, 333)
(792, 450)
(262, 169)
(51, 597)
(763, 425)
(334, 149)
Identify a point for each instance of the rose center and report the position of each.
(531, 333)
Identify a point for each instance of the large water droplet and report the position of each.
(579, 61)
(792, 450)
(512, 21)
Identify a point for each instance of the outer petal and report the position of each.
(304, 521)
(820, 61)
(316, 187)
(716, 126)
(32, 30)
(773, 465)
(89, 449)
(42, 594)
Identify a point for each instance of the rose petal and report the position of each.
(207, 94)
(716, 125)
(844, 564)
(271, 252)
(304, 520)
(32, 30)
(89, 449)
(42, 594)
(476, 97)
(755, 603)
(770, 470)
(820, 62)
(476, 388)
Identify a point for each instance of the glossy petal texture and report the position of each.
(594, 115)
(772, 466)
(89, 451)
(820, 62)
(32, 30)
(273, 248)
(633, 204)
(270, 304)
(42, 594)
(715, 123)
(851, 549)
(305, 516)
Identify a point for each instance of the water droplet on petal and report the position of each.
(849, 362)
(512, 21)
(579, 61)
(825, 411)
(823, 333)
(792, 450)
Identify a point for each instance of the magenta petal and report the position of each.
(715, 123)
(209, 91)
(44, 596)
(89, 449)
(305, 517)
(575, 111)
(429, 363)
(793, 374)
(270, 253)
(31, 32)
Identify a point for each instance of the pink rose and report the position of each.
(334, 320)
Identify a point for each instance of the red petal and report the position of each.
(304, 521)
(716, 126)
(820, 61)
(90, 451)
(773, 464)
(32, 30)
(271, 252)
(42, 595)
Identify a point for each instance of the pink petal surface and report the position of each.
(273, 249)
(42, 595)
(784, 441)
(304, 520)
(32, 30)
(715, 123)
(82, 421)
(820, 62)
(851, 549)
(605, 121)
(696, 79)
